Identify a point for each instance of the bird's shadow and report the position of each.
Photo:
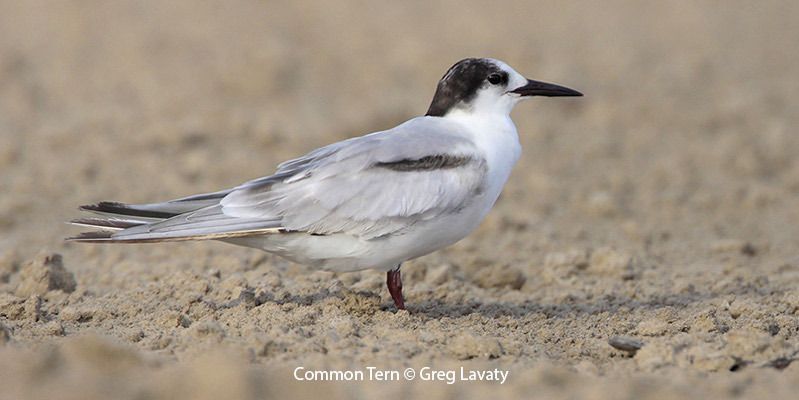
(371, 302)
(436, 308)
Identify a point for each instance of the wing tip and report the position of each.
(101, 206)
(91, 237)
(115, 207)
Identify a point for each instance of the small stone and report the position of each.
(42, 274)
(626, 343)
(773, 328)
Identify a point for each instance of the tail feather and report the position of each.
(107, 223)
(115, 217)
(141, 223)
(115, 208)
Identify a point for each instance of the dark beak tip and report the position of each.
(536, 88)
(566, 92)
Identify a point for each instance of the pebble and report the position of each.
(626, 343)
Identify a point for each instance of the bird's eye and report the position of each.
(494, 79)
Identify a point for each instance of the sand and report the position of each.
(657, 214)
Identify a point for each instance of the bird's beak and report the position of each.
(536, 88)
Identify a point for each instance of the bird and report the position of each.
(368, 202)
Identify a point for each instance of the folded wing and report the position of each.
(368, 187)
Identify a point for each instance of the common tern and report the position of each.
(372, 201)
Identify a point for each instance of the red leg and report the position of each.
(394, 283)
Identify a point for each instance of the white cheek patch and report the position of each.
(516, 81)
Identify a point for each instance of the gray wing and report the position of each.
(367, 186)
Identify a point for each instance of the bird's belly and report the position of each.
(427, 237)
(343, 253)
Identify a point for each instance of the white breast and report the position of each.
(496, 136)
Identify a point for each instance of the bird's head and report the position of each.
(486, 85)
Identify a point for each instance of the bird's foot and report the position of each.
(394, 283)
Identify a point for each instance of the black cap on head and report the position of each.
(461, 83)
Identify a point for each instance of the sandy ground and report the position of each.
(660, 211)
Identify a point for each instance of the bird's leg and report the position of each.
(394, 283)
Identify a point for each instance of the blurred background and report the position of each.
(681, 156)
(688, 105)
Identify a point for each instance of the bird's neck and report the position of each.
(495, 133)
(483, 122)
